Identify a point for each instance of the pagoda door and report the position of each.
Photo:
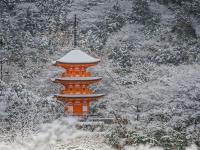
(78, 108)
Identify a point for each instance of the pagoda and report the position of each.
(76, 80)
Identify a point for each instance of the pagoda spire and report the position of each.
(75, 31)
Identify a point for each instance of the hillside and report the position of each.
(149, 51)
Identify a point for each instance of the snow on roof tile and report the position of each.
(77, 56)
(77, 78)
(79, 95)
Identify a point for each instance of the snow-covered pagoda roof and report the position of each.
(79, 95)
(77, 78)
(76, 57)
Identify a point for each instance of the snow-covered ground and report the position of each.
(63, 135)
(59, 135)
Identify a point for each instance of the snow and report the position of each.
(53, 80)
(77, 56)
(167, 16)
(142, 147)
(30, 6)
(78, 78)
(53, 62)
(60, 134)
(79, 95)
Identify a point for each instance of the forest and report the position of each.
(150, 65)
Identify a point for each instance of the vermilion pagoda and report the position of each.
(76, 80)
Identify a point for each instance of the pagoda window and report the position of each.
(85, 108)
(70, 109)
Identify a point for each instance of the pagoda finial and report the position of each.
(75, 31)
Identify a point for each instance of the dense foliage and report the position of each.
(150, 52)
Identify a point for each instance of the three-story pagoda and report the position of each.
(77, 94)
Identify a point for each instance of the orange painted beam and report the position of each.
(67, 100)
(67, 66)
(76, 82)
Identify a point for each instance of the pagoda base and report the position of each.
(78, 108)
